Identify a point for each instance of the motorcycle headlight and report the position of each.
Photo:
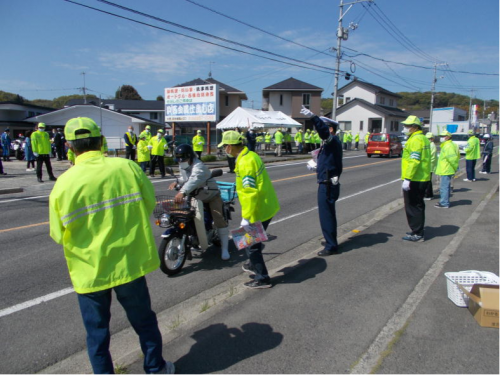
(164, 220)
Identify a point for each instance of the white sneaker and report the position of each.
(467, 180)
(29, 170)
(483, 172)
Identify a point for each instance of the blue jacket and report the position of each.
(6, 141)
(28, 150)
(330, 154)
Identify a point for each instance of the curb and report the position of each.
(176, 320)
(11, 191)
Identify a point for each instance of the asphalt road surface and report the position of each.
(32, 267)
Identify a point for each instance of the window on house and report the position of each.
(306, 100)
(382, 100)
(227, 101)
(281, 99)
(345, 125)
(153, 116)
(348, 99)
(391, 102)
(394, 126)
(361, 125)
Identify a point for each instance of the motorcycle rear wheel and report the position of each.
(172, 255)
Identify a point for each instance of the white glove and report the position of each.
(311, 165)
(36, 154)
(306, 112)
(200, 143)
(244, 223)
(150, 147)
(335, 180)
(406, 185)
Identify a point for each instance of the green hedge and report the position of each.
(206, 158)
(169, 160)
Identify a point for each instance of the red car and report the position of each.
(385, 144)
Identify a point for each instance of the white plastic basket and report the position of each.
(467, 279)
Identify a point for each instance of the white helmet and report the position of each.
(486, 136)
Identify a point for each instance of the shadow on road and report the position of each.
(461, 202)
(218, 347)
(306, 269)
(442, 231)
(364, 240)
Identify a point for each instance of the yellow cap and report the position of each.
(231, 138)
(412, 120)
(429, 135)
(81, 123)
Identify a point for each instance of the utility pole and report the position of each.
(434, 80)
(470, 107)
(84, 89)
(342, 34)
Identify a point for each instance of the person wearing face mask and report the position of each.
(40, 143)
(258, 200)
(146, 133)
(157, 146)
(415, 173)
(130, 143)
(195, 176)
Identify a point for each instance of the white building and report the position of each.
(449, 119)
(113, 124)
(369, 108)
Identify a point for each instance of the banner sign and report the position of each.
(192, 103)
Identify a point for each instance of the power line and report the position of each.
(210, 35)
(202, 40)
(256, 28)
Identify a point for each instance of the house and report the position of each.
(369, 108)
(153, 110)
(13, 115)
(113, 124)
(229, 99)
(451, 119)
(289, 96)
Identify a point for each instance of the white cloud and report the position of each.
(70, 66)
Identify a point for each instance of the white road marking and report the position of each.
(48, 297)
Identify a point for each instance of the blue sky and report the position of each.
(47, 44)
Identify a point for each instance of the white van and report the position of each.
(461, 140)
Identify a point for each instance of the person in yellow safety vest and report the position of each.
(198, 143)
(258, 199)
(429, 191)
(299, 138)
(157, 145)
(143, 153)
(146, 133)
(349, 140)
(317, 140)
(367, 138)
(278, 140)
(104, 147)
(268, 139)
(356, 141)
(415, 173)
(344, 140)
(307, 140)
(259, 140)
(40, 143)
(447, 166)
(313, 139)
(100, 213)
(288, 142)
(130, 143)
(472, 153)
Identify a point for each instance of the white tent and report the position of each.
(244, 118)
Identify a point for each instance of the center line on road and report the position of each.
(23, 227)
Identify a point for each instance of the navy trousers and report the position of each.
(328, 194)
(470, 166)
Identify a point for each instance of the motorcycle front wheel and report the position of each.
(172, 254)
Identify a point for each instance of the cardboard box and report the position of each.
(483, 303)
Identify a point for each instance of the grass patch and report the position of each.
(176, 322)
(206, 158)
(119, 369)
(205, 306)
(388, 351)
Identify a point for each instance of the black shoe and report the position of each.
(259, 284)
(414, 238)
(247, 268)
(439, 205)
(325, 253)
(52, 178)
(40, 180)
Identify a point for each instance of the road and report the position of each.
(32, 266)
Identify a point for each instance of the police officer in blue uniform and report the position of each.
(329, 169)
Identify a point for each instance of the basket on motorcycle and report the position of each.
(227, 191)
(165, 204)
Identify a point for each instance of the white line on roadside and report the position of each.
(341, 199)
(36, 301)
(48, 297)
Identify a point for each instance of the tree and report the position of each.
(127, 92)
(160, 98)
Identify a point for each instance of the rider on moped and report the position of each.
(195, 176)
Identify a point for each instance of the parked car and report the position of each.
(384, 144)
(461, 140)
